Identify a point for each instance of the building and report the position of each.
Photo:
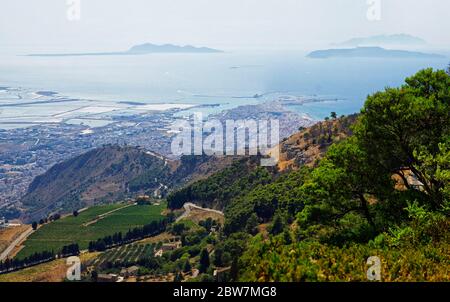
(167, 247)
(130, 271)
(107, 278)
(159, 253)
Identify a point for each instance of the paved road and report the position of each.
(15, 243)
(187, 210)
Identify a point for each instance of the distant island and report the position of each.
(142, 49)
(369, 52)
(384, 40)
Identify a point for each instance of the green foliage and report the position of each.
(312, 261)
(382, 190)
(87, 227)
(204, 261)
(219, 189)
(353, 208)
(178, 228)
(405, 129)
(277, 225)
(264, 200)
(187, 266)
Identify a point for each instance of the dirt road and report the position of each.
(15, 243)
(187, 210)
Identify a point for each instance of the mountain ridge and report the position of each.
(141, 49)
(379, 40)
(369, 52)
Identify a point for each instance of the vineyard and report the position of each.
(125, 255)
(92, 224)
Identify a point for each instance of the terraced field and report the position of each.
(127, 254)
(92, 224)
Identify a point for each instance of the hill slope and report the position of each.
(369, 52)
(102, 175)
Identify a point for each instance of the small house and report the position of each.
(107, 278)
(130, 271)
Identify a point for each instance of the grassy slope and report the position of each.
(8, 235)
(69, 230)
(53, 271)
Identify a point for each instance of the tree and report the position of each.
(333, 115)
(187, 266)
(234, 270)
(178, 277)
(218, 253)
(252, 224)
(204, 261)
(277, 225)
(287, 237)
(94, 276)
(401, 127)
(34, 225)
(178, 228)
(75, 213)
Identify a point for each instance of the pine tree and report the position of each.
(178, 277)
(204, 261)
(187, 266)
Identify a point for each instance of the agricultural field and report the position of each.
(92, 224)
(53, 271)
(127, 255)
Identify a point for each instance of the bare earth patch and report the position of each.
(53, 271)
(197, 215)
(8, 235)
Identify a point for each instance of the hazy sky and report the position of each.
(35, 25)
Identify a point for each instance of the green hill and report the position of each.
(381, 189)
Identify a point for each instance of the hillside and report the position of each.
(169, 48)
(307, 146)
(381, 40)
(102, 175)
(111, 174)
(143, 49)
(335, 202)
(304, 148)
(369, 52)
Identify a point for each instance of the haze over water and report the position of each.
(230, 79)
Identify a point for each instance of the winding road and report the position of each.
(187, 210)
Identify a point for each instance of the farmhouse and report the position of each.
(129, 272)
(107, 278)
(166, 247)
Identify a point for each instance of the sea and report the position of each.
(228, 79)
